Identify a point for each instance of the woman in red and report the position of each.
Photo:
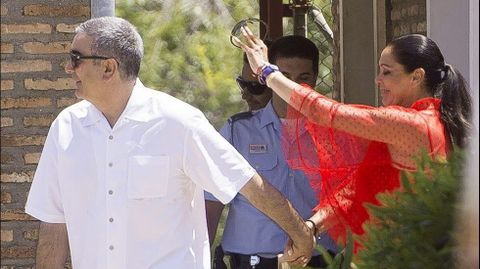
(360, 150)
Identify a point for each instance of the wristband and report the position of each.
(314, 227)
(267, 69)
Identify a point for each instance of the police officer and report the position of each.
(251, 239)
(254, 94)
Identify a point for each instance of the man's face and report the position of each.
(297, 69)
(87, 74)
(254, 102)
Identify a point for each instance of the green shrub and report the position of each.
(413, 227)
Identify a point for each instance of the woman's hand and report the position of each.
(256, 50)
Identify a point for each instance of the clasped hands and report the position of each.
(299, 251)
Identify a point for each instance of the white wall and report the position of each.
(448, 24)
(454, 26)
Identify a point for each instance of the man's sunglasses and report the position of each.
(76, 57)
(252, 87)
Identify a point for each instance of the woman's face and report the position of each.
(395, 84)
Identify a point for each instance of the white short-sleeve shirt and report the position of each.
(132, 195)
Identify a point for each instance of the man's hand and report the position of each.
(272, 203)
(299, 252)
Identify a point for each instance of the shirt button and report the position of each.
(110, 192)
(110, 137)
(111, 247)
(291, 175)
(110, 219)
(110, 164)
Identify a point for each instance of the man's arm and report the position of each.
(214, 211)
(52, 247)
(272, 203)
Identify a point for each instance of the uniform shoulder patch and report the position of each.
(240, 116)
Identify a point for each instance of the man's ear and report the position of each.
(418, 76)
(110, 68)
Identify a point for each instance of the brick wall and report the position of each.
(406, 16)
(35, 37)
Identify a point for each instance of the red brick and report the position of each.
(25, 102)
(396, 15)
(56, 11)
(66, 28)
(49, 48)
(6, 197)
(31, 235)
(422, 27)
(18, 252)
(45, 84)
(38, 121)
(4, 10)
(6, 158)
(6, 85)
(22, 140)
(413, 11)
(6, 122)
(6, 235)
(16, 214)
(6, 48)
(26, 66)
(16, 177)
(65, 101)
(31, 158)
(14, 267)
(34, 28)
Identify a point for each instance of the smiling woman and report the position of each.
(397, 86)
(362, 149)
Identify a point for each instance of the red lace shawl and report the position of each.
(355, 152)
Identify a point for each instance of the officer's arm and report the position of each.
(214, 211)
(52, 247)
(272, 203)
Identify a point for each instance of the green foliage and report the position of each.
(413, 228)
(343, 259)
(188, 53)
(187, 50)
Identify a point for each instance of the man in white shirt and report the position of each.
(122, 173)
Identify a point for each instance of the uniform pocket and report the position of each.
(147, 176)
(263, 162)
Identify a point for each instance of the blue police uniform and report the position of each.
(258, 137)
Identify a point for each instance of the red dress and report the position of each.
(359, 151)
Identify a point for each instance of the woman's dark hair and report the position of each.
(442, 80)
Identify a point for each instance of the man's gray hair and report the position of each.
(117, 38)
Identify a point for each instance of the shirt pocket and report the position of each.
(147, 176)
(263, 162)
